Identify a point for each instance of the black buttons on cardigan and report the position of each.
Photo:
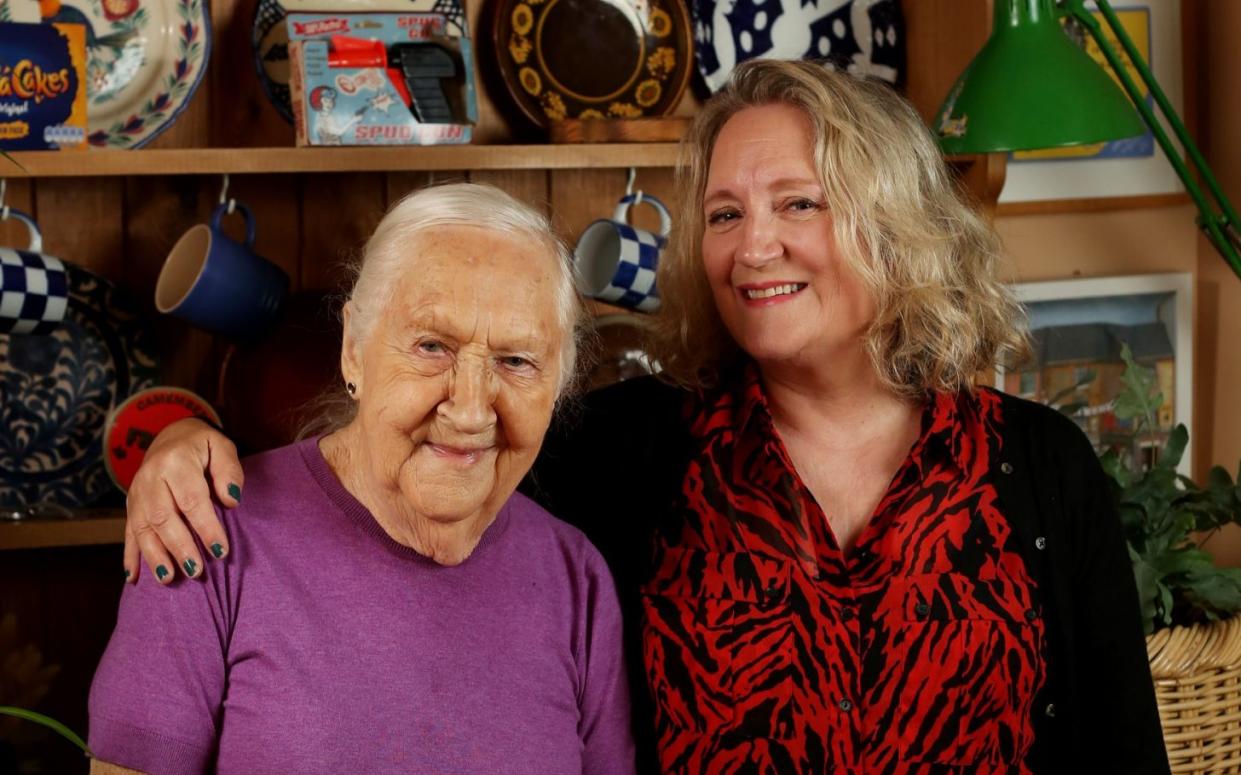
(1031, 615)
(1040, 543)
(1050, 710)
(1006, 467)
(846, 705)
(847, 615)
(922, 609)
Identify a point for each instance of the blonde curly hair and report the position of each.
(921, 249)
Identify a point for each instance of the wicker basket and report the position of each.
(1197, 672)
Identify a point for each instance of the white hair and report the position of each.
(386, 255)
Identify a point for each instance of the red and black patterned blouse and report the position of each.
(769, 650)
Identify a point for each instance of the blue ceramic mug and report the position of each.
(34, 288)
(616, 261)
(218, 284)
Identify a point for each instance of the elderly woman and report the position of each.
(390, 605)
(837, 553)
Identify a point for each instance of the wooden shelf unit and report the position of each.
(87, 528)
(210, 161)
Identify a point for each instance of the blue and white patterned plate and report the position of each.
(269, 36)
(56, 391)
(144, 60)
(866, 37)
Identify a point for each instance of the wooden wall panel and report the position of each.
(941, 37)
(158, 212)
(275, 201)
(19, 194)
(241, 114)
(339, 212)
(83, 222)
(530, 186)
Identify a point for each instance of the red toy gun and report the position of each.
(415, 70)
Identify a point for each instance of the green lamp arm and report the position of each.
(1217, 219)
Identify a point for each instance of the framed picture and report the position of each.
(1078, 327)
(1130, 167)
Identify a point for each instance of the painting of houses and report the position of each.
(1077, 330)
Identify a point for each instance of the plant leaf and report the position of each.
(1147, 579)
(1174, 448)
(50, 723)
(1139, 397)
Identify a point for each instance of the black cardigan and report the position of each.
(613, 463)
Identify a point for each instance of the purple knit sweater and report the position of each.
(321, 645)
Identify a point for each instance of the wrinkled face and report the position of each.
(781, 287)
(457, 381)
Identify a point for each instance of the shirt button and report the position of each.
(1040, 543)
(1031, 615)
(922, 609)
(1050, 710)
(1006, 467)
(846, 705)
(846, 614)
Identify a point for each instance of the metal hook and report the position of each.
(633, 174)
(232, 203)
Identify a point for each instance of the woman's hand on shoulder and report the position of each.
(187, 461)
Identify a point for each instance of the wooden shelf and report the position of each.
(91, 527)
(217, 161)
(211, 161)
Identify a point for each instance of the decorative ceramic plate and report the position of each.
(866, 37)
(144, 60)
(593, 58)
(269, 36)
(56, 392)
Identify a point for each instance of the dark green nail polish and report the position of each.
(161, 572)
(217, 551)
(191, 568)
(235, 492)
(127, 574)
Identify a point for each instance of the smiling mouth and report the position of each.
(462, 455)
(758, 294)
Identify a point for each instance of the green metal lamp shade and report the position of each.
(1032, 87)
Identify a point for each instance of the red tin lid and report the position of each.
(133, 425)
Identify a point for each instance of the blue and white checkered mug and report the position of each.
(616, 261)
(34, 287)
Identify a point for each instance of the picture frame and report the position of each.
(1077, 327)
(1112, 170)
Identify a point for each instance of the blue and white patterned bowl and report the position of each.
(866, 37)
(56, 391)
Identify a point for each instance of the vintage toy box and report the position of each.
(42, 86)
(381, 79)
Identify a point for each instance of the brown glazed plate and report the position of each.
(593, 58)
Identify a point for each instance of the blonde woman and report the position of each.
(835, 553)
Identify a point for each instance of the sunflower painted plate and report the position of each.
(144, 60)
(593, 58)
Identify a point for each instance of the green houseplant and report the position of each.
(1167, 516)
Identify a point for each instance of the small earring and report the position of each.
(352, 388)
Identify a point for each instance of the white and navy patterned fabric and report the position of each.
(633, 285)
(863, 37)
(34, 292)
